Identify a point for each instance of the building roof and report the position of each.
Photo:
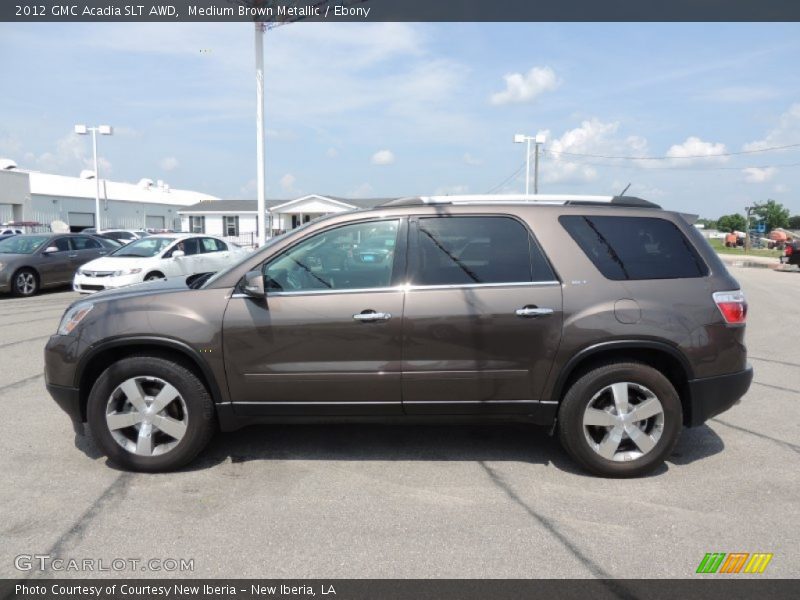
(251, 206)
(146, 191)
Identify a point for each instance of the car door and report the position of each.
(56, 267)
(85, 249)
(327, 338)
(215, 254)
(482, 319)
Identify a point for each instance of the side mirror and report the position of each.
(178, 254)
(50, 249)
(254, 284)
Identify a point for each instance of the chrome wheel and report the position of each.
(146, 416)
(623, 421)
(26, 283)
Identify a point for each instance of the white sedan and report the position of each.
(156, 257)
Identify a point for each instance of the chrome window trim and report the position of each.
(408, 288)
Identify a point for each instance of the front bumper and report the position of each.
(711, 396)
(69, 399)
(88, 285)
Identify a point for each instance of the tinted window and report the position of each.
(84, 243)
(635, 247)
(358, 256)
(61, 243)
(474, 250)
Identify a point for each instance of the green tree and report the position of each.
(773, 213)
(794, 222)
(734, 222)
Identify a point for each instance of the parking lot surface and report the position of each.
(482, 501)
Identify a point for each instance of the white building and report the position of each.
(43, 197)
(236, 219)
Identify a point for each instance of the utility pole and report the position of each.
(538, 140)
(260, 175)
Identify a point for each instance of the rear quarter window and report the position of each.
(634, 248)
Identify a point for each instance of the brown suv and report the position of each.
(608, 319)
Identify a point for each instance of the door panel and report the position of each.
(467, 351)
(56, 267)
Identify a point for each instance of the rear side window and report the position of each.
(630, 248)
(477, 250)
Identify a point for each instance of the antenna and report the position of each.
(622, 193)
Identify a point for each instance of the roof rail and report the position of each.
(552, 199)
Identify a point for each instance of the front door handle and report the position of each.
(368, 316)
(533, 311)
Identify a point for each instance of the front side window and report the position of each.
(633, 248)
(357, 256)
(477, 250)
(26, 244)
(232, 226)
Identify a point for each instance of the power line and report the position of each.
(507, 179)
(679, 168)
(770, 149)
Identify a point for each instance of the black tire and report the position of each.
(23, 289)
(153, 276)
(580, 394)
(199, 412)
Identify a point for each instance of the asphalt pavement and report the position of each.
(367, 501)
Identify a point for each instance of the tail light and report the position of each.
(732, 305)
(789, 249)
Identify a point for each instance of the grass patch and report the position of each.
(719, 246)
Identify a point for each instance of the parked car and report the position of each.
(7, 232)
(608, 320)
(108, 242)
(156, 257)
(791, 253)
(122, 235)
(32, 261)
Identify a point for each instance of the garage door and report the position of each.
(154, 222)
(77, 219)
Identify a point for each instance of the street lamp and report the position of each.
(538, 140)
(102, 130)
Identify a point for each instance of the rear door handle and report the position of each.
(73, 256)
(372, 316)
(533, 311)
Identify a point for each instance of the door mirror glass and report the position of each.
(254, 284)
(50, 250)
(178, 254)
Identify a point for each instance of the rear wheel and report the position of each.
(25, 283)
(150, 414)
(620, 419)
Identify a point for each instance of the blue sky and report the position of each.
(389, 109)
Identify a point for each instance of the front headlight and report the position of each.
(74, 316)
(126, 272)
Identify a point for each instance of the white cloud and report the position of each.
(592, 137)
(758, 174)
(696, 150)
(383, 157)
(169, 163)
(787, 132)
(70, 157)
(287, 182)
(332, 153)
(527, 87)
(472, 161)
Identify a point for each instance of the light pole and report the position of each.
(538, 140)
(260, 176)
(102, 130)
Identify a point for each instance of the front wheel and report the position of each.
(150, 414)
(620, 419)
(25, 283)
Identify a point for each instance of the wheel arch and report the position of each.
(105, 354)
(661, 356)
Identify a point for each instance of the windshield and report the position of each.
(22, 244)
(145, 247)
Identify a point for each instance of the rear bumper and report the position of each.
(711, 396)
(69, 400)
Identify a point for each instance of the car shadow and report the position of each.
(517, 442)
